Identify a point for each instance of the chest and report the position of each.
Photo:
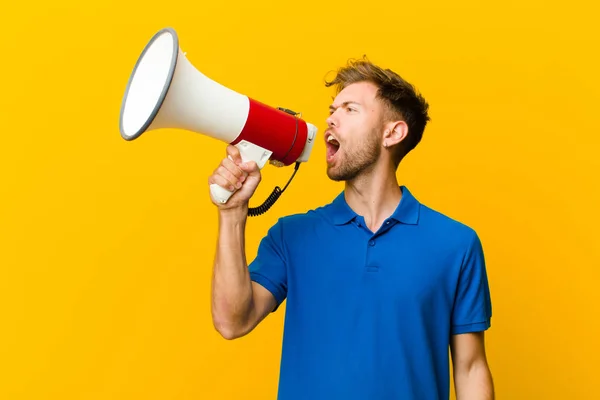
(348, 265)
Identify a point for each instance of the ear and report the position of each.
(394, 133)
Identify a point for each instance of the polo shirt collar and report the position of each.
(407, 211)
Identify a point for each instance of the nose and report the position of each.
(331, 122)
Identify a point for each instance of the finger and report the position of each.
(224, 183)
(229, 177)
(250, 167)
(234, 153)
(234, 169)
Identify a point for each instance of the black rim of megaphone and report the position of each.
(165, 89)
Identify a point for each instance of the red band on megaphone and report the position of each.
(275, 130)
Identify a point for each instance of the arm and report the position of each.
(237, 303)
(472, 376)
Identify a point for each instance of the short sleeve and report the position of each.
(269, 268)
(472, 305)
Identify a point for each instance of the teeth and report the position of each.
(331, 139)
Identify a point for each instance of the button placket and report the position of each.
(369, 266)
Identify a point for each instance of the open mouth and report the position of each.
(332, 147)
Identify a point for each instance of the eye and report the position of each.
(350, 109)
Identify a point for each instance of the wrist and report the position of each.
(233, 215)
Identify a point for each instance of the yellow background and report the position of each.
(107, 245)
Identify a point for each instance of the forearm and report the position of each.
(474, 383)
(231, 284)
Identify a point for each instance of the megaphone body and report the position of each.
(166, 91)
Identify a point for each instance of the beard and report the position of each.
(357, 161)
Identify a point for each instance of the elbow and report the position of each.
(230, 322)
(228, 333)
(228, 330)
(474, 382)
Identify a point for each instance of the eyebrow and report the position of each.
(332, 107)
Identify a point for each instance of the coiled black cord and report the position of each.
(268, 203)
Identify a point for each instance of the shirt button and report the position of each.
(371, 243)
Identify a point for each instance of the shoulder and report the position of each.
(447, 228)
(307, 219)
(319, 215)
(304, 226)
(435, 218)
(451, 238)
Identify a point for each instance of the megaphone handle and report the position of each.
(248, 152)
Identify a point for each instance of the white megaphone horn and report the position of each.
(166, 91)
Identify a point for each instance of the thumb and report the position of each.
(250, 167)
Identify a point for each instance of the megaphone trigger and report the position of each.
(248, 152)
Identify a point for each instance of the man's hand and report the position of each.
(472, 376)
(234, 175)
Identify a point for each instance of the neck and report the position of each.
(374, 195)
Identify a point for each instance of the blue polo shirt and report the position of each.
(370, 315)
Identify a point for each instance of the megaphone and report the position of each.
(166, 91)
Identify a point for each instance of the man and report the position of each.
(378, 285)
